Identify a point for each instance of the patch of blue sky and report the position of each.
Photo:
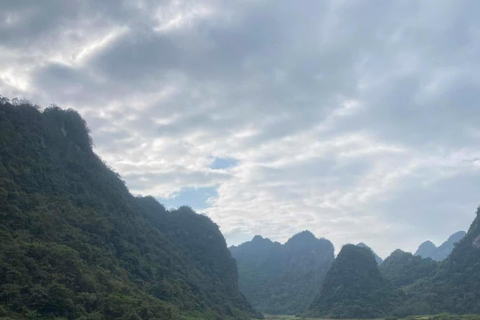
(223, 163)
(197, 198)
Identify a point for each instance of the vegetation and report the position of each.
(283, 279)
(377, 258)
(354, 288)
(75, 244)
(443, 316)
(403, 268)
(453, 286)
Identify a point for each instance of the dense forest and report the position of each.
(377, 258)
(354, 288)
(75, 244)
(404, 284)
(403, 268)
(454, 286)
(283, 279)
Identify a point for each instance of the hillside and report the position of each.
(74, 243)
(354, 288)
(429, 250)
(377, 258)
(403, 268)
(283, 279)
(453, 287)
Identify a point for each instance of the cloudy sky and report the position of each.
(357, 120)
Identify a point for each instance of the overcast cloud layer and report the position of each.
(357, 120)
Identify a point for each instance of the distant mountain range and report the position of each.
(404, 284)
(429, 250)
(283, 279)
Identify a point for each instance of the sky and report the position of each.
(356, 120)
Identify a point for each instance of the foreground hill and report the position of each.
(429, 250)
(403, 268)
(454, 286)
(74, 243)
(377, 258)
(354, 288)
(283, 279)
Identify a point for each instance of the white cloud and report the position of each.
(356, 120)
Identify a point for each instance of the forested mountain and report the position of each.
(354, 288)
(426, 250)
(454, 286)
(283, 279)
(403, 268)
(75, 244)
(429, 250)
(377, 258)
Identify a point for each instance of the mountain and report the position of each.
(377, 258)
(354, 288)
(75, 244)
(429, 250)
(403, 268)
(283, 279)
(453, 286)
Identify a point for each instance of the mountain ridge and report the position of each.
(429, 250)
(283, 279)
(354, 288)
(75, 243)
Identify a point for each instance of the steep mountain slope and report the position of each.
(283, 279)
(377, 258)
(74, 243)
(454, 286)
(403, 268)
(429, 250)
(354, 288)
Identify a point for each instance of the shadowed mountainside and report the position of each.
(453, 286)
(283, 279)
(377, 258)
(354, 288)
(403, 268)
(74, 243)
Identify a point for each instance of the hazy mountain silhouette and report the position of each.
(429, 250)
(283, 279)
